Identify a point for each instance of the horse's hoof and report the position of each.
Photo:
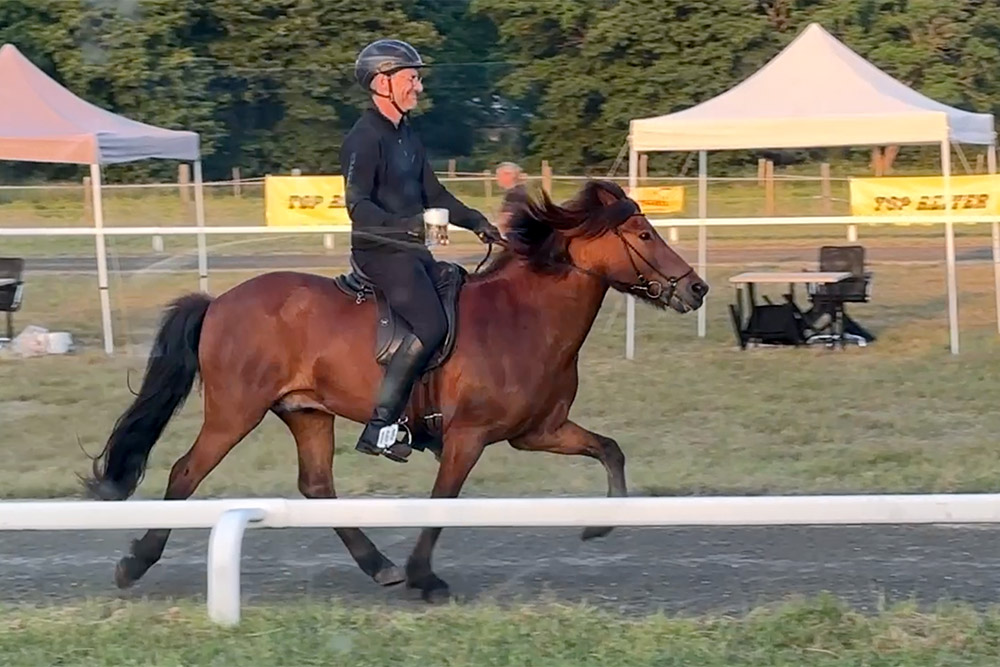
(595, 531)
(436, 595)
(432, 588)
(127, 572)
(390, 576)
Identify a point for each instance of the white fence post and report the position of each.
(225, 545)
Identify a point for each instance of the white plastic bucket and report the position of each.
(58, 342)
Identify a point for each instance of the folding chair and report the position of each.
(11, 290)
(829, 299)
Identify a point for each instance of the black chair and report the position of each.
(11, 269)
(828, 299)
(774, 324)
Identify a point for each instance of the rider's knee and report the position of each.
(432, 332)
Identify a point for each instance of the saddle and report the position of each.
(448, 279)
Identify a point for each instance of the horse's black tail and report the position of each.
(170, 374)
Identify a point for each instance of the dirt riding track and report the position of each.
(689, 570)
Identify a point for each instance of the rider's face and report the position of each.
(406, 88)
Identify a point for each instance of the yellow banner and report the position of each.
(916, 196)
(304, 200)
(659, 199)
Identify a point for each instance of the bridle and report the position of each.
(653, 289)
(619, 213)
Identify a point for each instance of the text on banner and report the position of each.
(659, 199)
(916, 196)
(304, 200)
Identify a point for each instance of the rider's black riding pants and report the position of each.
(406, 280)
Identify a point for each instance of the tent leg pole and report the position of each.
(633, 181)
(102, 259)
(991, 164)
(950, 247)
(199, 207)
(702, 234)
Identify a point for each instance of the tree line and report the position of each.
(269, 83)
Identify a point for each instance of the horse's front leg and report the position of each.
(461, 451)
(574, 440)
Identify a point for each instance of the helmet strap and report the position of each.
(391, 96)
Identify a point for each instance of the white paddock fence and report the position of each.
(703, 224)
(229, 518)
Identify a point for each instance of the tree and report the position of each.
(140, 60)
(462, 79)
(585, 70)
(286, 80)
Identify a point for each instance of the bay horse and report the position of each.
(294, 344)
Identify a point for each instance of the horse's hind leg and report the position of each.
(314, 439)
(220, 432)
(572, 439)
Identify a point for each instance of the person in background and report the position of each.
(509, 179)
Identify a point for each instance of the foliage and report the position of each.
(269, 83)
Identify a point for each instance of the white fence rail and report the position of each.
(229, 518)
(849, 222)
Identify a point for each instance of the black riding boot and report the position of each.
(394, 393)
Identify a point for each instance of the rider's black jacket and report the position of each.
(388, 184)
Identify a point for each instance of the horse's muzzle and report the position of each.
(688, 296)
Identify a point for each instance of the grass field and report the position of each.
(817, 632)
(693, 416)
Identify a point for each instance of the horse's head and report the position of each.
(603, 233)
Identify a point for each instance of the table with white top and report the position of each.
(7, 281)
(749, 321)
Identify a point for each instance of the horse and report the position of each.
(293, 344)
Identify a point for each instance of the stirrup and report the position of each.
(388, 443)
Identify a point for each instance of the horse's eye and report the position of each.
(645, 236)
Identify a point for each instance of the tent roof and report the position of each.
(40, 121)
(815, 92)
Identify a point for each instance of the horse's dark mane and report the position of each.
(539, 231)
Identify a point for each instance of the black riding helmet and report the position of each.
(384, 56)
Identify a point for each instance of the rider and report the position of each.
(389, 183)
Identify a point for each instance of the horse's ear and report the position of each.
(605, 195)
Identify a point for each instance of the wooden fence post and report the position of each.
(769, 207)
(824, 173)
(546, 177)
(184, 181)
(88, 201)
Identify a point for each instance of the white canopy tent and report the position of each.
(816, 92)
(40, 121)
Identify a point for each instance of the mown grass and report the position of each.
(819, 632)
(692, 415)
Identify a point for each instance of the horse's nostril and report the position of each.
(699, 288)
